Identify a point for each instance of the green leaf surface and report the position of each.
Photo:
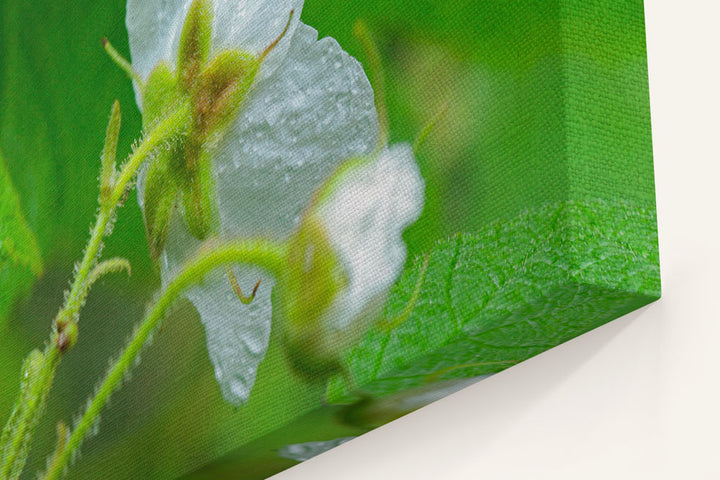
(20, 260)
(515, 289)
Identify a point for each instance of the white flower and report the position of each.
(357, 219)
(310, 107)
(365, 215)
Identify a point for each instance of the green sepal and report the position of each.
(161, 94)
(220, 90)
(198, 195)
(314, 276)
(216, 99)
(194, 43)
(159, 198)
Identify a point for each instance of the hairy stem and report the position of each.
(19, 429)
(159, 135)
(267, 255)
(38, 372)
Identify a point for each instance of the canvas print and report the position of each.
(235, 234)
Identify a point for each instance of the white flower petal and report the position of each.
(154, 29)
(296, 126)
(364, 216)
(237, 335)
(253, 25)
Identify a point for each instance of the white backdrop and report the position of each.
(638, 398)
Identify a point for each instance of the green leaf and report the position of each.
(20, 260)
(513, 290)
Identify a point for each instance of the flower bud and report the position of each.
(347, 253)
(314, 278)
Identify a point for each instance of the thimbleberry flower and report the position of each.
(303, 106)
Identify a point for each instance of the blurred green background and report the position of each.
(500, 66)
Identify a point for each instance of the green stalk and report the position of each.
(264, 254)
(38, 372)
(35, 387)
(165, 130)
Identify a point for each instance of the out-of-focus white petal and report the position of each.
(364, 216)
(154, 29)
(295, 127)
